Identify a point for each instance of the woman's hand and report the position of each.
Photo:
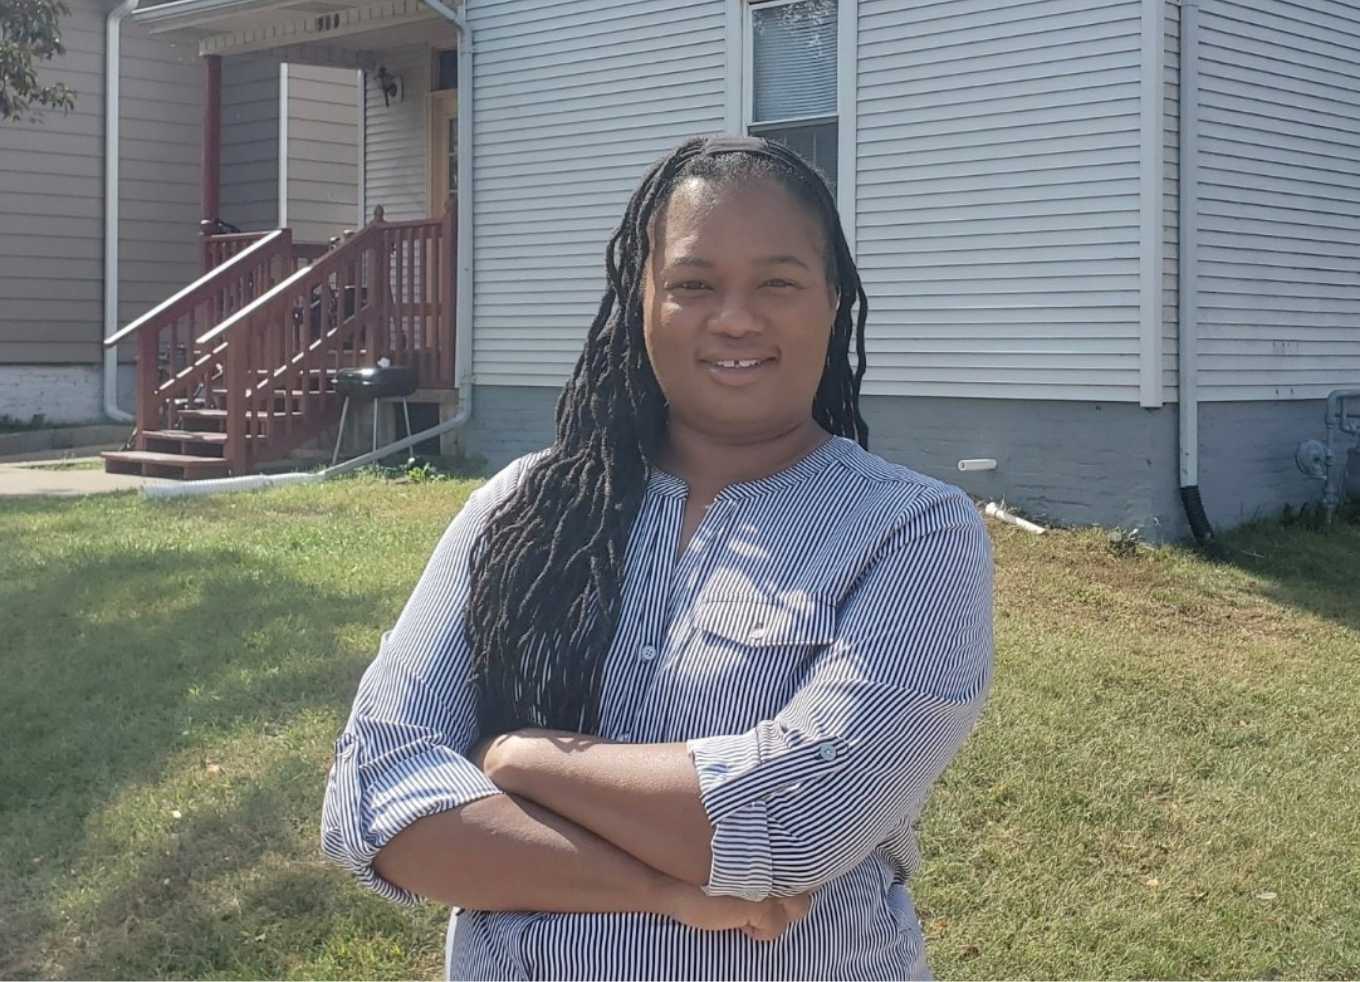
(760, 920)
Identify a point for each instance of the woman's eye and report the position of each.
(690, 285)
(780, 283)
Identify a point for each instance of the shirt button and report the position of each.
(826, 751)
(757, 632)
(625, 737)
(647, 653)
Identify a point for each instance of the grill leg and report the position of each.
(406, 408)
(344, 411)
(377, 411)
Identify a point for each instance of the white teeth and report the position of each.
(748, 363)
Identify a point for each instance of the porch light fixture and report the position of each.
(389, 84)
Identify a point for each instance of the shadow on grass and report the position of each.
(118, 660)
(1312, 569)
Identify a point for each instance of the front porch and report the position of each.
(238, 369)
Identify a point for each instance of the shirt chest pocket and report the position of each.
(744, 659)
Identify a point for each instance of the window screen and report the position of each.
(793, 59)
(793, 55)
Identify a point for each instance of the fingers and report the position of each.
(768, 923)
(771, 918)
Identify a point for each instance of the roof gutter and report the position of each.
(113, 60)
(197, 13)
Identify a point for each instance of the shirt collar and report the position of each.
(669, 486)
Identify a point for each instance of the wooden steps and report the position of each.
(200, 443)
(152, 464)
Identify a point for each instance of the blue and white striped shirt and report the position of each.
(823, 645)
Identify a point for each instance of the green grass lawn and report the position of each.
(1166, 782)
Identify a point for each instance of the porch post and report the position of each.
(212, 138)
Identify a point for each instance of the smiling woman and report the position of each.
(671, 694)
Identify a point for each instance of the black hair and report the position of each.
(547, 571)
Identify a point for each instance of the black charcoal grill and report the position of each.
(382, 382)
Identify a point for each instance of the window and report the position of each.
(793, 95)
(445, 71)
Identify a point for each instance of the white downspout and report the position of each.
(462, 349)
(113, 57)
(1187, 347)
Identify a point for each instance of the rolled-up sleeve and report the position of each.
(401, 755)
(806, 796)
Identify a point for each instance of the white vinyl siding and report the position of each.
(998, 197)
(323, 164)
(1279, 272)
(396, 168)
(574, 101)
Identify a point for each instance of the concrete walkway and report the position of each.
(63, 477)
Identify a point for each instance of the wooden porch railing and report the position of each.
(214, 250)
(385, 292)
(167, 337)
(258, 339)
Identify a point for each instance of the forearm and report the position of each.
(499, 853)
(642, 798)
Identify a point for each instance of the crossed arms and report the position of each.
(728, 831)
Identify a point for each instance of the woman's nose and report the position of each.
(736, 318)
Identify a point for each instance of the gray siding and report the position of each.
(396, 168)
(323, 155)
(998, 197)
(52, 197)
(574, 101)
(51, 202)
(250, 143)
(161, 171)
(1280, 199)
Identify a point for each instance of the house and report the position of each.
(1110, 245)
(288, 156)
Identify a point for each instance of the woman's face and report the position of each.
(737, 309)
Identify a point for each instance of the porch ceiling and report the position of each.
(348, 33)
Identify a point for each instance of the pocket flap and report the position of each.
(764, 623)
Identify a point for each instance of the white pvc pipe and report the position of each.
(977, 464)
(994, 510)
(250, 482)
(113, 54)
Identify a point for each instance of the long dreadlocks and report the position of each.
(547, 572)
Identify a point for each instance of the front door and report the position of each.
(443, 148)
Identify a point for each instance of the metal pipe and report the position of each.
(1338, 422)
(113, 55)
